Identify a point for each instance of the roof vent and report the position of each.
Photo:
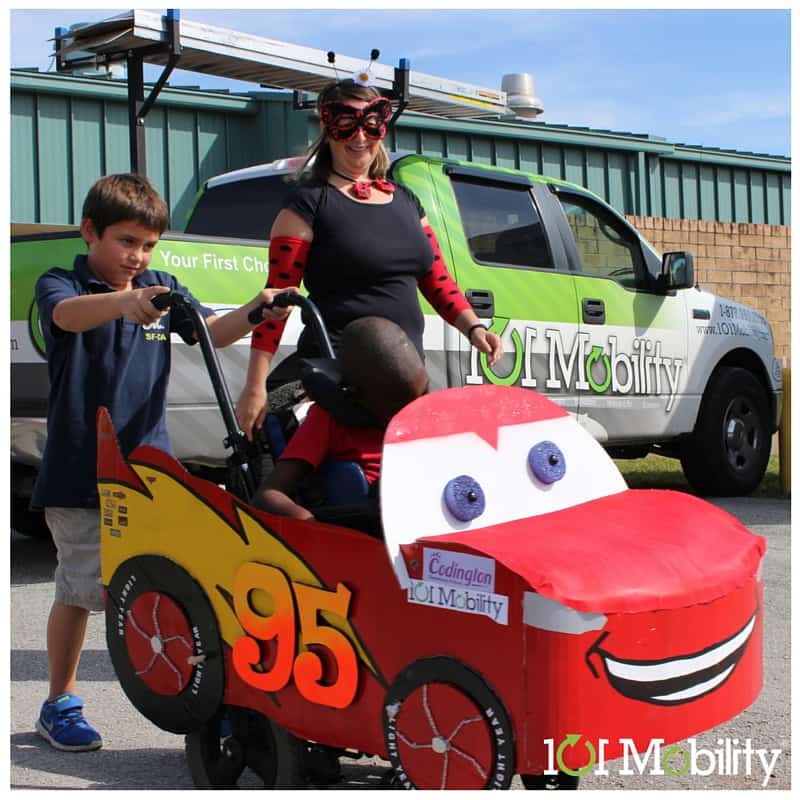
(520, 95)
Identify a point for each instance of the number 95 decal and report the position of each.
(293, 606)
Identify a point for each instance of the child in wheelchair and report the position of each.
(381, 372)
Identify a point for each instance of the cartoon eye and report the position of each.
(547, 462)
(464, 498)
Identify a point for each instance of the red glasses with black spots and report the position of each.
(342, 121)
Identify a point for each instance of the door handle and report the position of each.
(594, 311)
(482, 302)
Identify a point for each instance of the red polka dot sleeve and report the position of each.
(438, 287)
(288, 257)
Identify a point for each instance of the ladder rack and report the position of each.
(157, 39)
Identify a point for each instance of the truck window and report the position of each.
(501, 224)
(240, 209)
(606, 247)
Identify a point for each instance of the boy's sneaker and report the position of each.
(62, 724)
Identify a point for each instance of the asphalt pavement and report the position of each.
(137, 755)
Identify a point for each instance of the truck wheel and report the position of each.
(560, 781)
(27, 522)
(164, 643)
(237, 739)
(446, 729)
(728, 452)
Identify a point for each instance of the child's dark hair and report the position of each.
(125, 198)
(381, 364)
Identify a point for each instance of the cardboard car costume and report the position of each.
(522, 593)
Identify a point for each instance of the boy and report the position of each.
(383, 372)
(107, 344)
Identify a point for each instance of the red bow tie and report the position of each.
(363, 189)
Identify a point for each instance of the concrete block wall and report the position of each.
(745, 262)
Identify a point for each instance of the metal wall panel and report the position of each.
(53, 154)
(724, 184)
(24, 165)
(117, 145)
(87, 149)
(65, 132)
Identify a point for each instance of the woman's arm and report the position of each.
(291, 231)
(231, 327)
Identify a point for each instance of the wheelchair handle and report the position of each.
(311, 317)
(164, 300)
(236, 438)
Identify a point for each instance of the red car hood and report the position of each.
(638, 550)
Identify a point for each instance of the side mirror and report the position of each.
(677, 270)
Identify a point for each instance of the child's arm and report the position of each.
(232, 326)
(273, 494)
(87, 311)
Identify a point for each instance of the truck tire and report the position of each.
(728, 452)
(27, 522)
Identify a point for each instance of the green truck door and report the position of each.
(515, 274)
(632, 342)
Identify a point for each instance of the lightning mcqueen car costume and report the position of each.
(521, 593)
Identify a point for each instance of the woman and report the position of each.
(362, 244)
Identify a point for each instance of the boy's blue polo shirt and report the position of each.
(120, 365)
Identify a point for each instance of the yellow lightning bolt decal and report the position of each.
(178, 524)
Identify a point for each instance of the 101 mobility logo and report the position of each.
(673, 760)
(634, 365)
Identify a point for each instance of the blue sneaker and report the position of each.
(62, 724)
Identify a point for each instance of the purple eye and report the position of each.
(464, 498)
(547, 462)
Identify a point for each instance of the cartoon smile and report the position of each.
(676, 680)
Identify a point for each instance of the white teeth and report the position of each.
(680, 667)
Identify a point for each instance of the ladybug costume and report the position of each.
(366, 259)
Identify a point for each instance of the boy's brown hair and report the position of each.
(124, 198)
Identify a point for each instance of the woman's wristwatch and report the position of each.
(472, 328)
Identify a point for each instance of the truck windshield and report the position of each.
(240, 209)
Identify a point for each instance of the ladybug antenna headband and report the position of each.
(342, 121)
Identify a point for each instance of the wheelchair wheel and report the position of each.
(240, 747)
(560, 781)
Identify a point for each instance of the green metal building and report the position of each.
(66, 131)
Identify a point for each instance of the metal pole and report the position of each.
(135, 120)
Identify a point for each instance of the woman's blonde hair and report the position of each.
(320, 150)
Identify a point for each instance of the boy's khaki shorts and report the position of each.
(76, 533)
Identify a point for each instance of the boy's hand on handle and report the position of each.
(251, 409)
(487, 342)
(137, 306)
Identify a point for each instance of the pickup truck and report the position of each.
(589, 312)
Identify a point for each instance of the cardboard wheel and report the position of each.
(164, 642)
(237, 739)
(446, 729)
